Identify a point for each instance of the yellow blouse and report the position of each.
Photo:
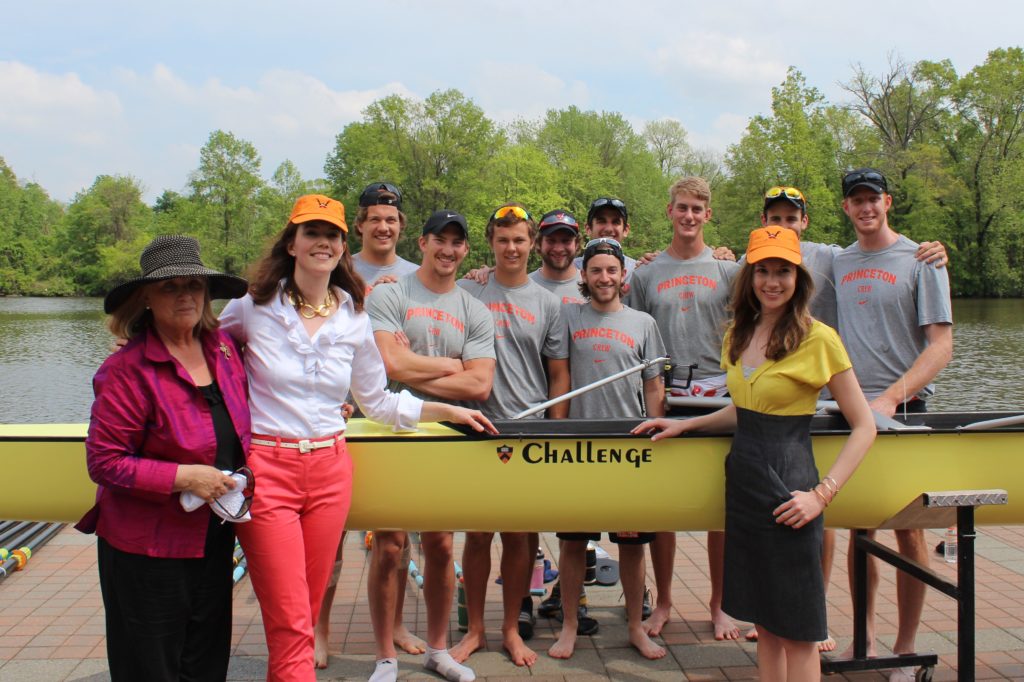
(789, 386)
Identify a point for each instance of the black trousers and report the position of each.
(168, 619)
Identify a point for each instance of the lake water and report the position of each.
(51, 347)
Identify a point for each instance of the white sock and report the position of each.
(386, 670)
(441, 662)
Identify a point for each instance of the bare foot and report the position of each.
(724, 627)
(471, 641)
(320, 647)
(517, 650)
(659, 616)
(645, 645)
(565, 646)
(827, 644)
(848, 653)
(408, 642)
(751, 636)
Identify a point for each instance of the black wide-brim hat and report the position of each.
(170, 256)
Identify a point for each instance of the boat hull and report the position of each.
(572, 476)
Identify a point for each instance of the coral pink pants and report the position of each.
(299, 509)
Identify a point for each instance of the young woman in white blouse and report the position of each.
(308, 342)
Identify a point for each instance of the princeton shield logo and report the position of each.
(505, 453)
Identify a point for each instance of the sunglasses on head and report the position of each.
(604, 201)
(247, 493)
(871, 176)
(790, 192)
(374, 195)
(603, 241)
(558, 219)
(517, 211)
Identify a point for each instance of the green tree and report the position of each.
(226, 184)
(104, 230)
(802, 144)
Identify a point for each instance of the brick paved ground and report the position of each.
(51, 622)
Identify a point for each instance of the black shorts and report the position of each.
(618, 538)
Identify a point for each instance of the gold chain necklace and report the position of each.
(307, 310)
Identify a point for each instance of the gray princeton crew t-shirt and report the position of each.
(601, 344)
(452, 324)
(817, 258)
(567, 291)
(689, 300)
(885, 298)
(528, 327)
(370, 273)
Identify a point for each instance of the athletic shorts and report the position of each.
(618, 538)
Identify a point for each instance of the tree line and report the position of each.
(950, 144)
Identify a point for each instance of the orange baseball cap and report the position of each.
(773, 242)
(318, 207)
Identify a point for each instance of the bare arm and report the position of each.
(805, 505)
(434, 412)
(558, 385)
(722, 420)
(472, 383)
(654, 396)
(402, 364)
(928, 364)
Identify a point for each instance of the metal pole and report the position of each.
(965, 537)
(860, 596)
(589, 387)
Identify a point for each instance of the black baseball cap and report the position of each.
(556, 220)
(603, 245)
(439, 220)
(601, 202)
(864, 177)
(376, 193)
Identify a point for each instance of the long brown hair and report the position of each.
(791, 327)
(278, 264)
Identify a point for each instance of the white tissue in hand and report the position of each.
(226, 506)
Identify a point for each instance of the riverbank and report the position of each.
(51, 626)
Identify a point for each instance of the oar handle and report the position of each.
(589, 387)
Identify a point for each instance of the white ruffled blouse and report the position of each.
(297, 384)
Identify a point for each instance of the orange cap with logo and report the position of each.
(318, 207)
(773, 242)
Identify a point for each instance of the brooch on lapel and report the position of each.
(225, 350)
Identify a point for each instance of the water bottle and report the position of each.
(463, 614)
(950, 549)
(537, 579)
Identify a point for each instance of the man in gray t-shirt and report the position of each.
(438, 341)
(379, 224)
(896, 322)
(606, 337)
(532, 366)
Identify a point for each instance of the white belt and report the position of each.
(304, 445)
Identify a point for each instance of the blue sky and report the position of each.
(135, 88)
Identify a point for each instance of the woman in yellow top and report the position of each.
(777, 359)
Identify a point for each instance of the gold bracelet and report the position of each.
(834, 488)
(818, 493)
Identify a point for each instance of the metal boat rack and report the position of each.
(928, 510)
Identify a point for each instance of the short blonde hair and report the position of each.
(133, 316)
(694, 185)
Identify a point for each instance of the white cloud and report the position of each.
(507, 91)
(60, 105)
(152, 123)
(716, 57)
